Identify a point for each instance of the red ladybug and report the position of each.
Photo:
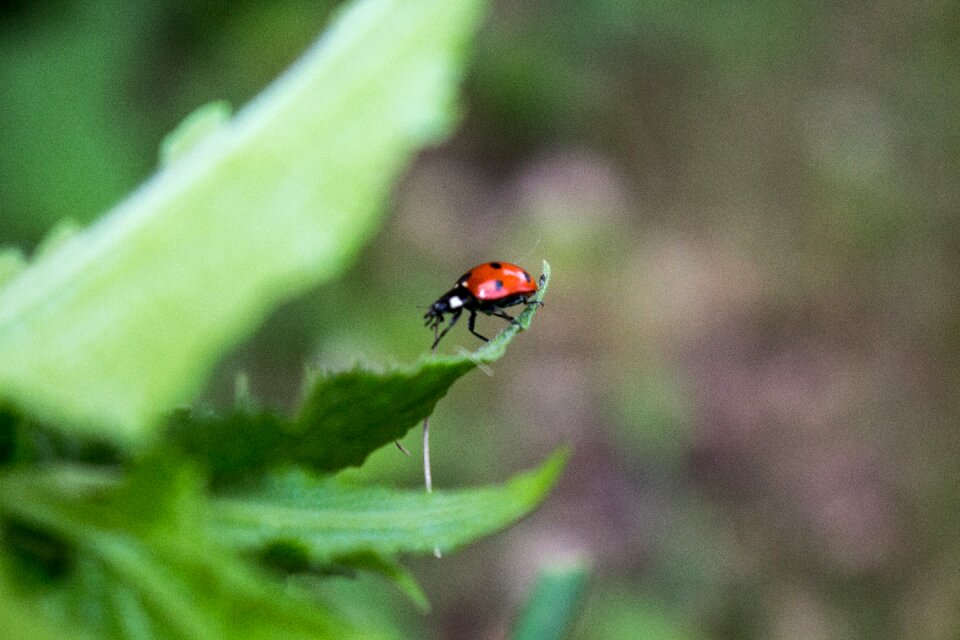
(488, 288)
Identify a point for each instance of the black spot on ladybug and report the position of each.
(526, 276)
(498, 284)
(496, 265)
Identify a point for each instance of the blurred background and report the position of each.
(751, 336)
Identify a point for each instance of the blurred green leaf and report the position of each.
(12, 262)
(194, 128)
(551, 608)
(393, 571)
(139, 561)
(21, 621)
(333, 520)
(345, 416)
(127, 318)
(72, 145)
(231, 446)
(57, 236)
(614, 612)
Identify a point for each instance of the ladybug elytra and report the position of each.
(488, 288)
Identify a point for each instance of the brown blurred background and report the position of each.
(751, 336)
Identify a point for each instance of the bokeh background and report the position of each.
(751, 337)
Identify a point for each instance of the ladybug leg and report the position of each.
(472, 322)
(453, 320)
(500, 313)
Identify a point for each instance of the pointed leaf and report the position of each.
(345, 416)
(329, 520)
(348, 415)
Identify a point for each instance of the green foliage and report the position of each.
(152, 553)
(122, 518)
(62, 146)
(111, 328)
(334, 520)
(11, 263)
(137, 558)
(551, 608)
(194, 128)
(18, 623)
(344, 417)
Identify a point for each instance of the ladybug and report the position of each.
(488, 288)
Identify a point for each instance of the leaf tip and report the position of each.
(555, 464)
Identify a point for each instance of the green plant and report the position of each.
(551, 607)
(123, 517)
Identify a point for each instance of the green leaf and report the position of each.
(291, 556)
(551, 608)
(330, 520)
(399, 576)
(12, 262)
(58, 235)
(195, 128)
(344, 417)
(139, 561)
(20, 620)
(387, 568)
(126, 319)
(348, 415)
(231, 447)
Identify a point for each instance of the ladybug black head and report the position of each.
(454, 301)
(435, 313)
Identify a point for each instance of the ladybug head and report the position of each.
(434, 315)
(451, 302)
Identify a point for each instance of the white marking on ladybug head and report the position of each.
(455, 302)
